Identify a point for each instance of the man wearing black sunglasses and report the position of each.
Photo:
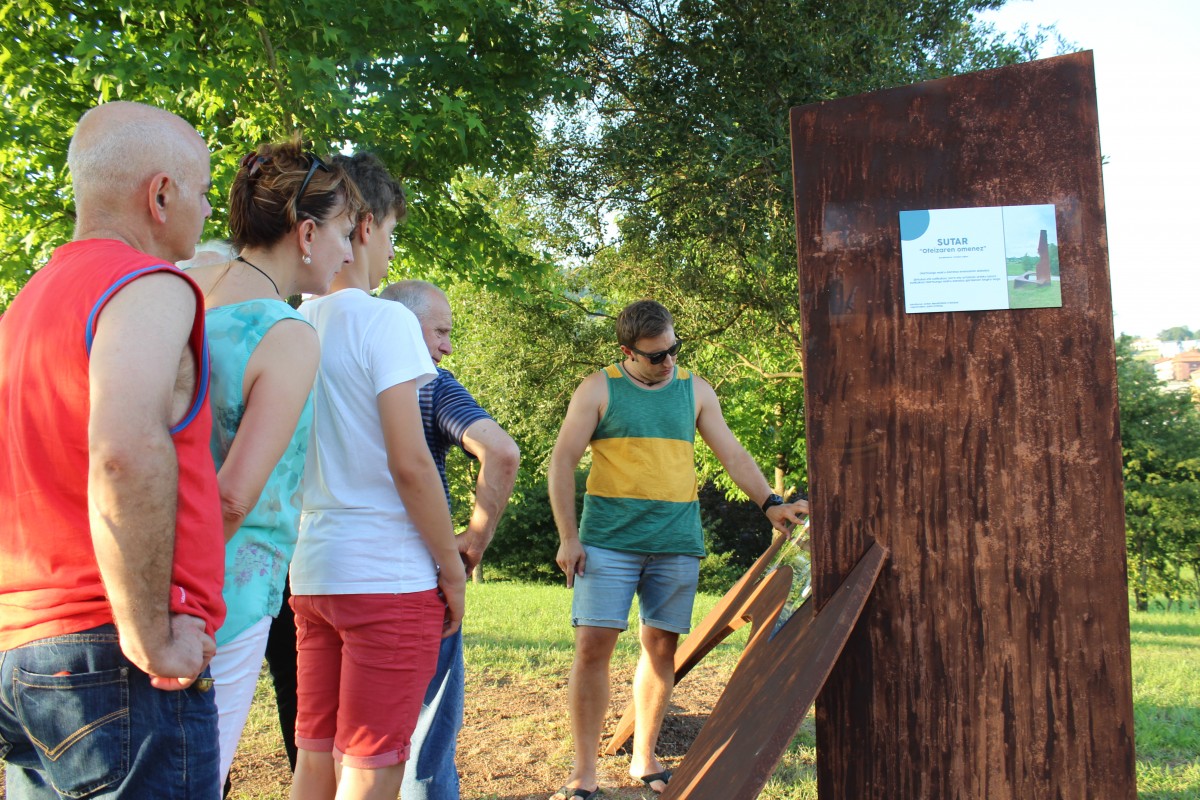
(640, 530)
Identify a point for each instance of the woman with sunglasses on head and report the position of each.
(290, 219)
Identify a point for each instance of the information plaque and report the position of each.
(980, 259)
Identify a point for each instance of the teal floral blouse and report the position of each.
(258, 555)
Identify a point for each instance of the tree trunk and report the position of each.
(1142, 601)
(780, 456)
(1171, 591)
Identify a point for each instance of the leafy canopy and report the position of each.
(671, 177)
(438, 88)
(1160, 445)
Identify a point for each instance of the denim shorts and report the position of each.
(77, 719)
(665, 586)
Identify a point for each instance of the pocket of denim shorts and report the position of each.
(80, 725)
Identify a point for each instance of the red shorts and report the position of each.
(363, 663)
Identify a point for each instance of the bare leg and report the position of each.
(652, 686)
(314, 778)
(588, 693)
(370, 784)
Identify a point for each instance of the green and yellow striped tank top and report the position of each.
(641, 491)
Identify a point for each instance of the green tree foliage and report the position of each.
(1028, 262)
(671, 179)
(1160, 443)
(1179, 333)
(438, 88)
(522, 357)
(672, 176)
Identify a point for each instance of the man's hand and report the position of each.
(784, 517)
(470, 550)
(571, 558)
(453, 586)
(177, 662)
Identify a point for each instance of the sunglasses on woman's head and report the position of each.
(314, 164)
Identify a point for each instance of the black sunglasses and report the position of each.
(661, 355)
(314, 164)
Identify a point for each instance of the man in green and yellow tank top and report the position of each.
(640, 530)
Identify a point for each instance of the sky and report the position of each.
(1147, 78)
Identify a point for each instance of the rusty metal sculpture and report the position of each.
(993, 659)
(1041, 275)
(727, 616)
(775, 684)
(789, 654)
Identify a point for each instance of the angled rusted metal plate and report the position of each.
(982, 448)
(773, 686)
(726, 616)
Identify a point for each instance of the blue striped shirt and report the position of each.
(447, 410)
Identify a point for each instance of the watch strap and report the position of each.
(772, 500)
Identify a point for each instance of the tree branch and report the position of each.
(750, 365)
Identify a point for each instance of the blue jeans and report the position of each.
(431, 773)
(78, 720)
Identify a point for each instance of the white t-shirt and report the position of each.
(355, 535)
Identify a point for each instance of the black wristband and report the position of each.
(772, 500)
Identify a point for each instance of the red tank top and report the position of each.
(49, 580)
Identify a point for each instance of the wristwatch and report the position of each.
(772, 500)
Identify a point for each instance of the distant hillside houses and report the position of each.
(1176, 363)
(1178, 368)
(1164, 350)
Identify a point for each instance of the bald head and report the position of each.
(118, 146)
(432, 310)
(418, 296)
(128, 162)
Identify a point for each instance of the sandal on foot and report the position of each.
(567, 793)
(664, 777)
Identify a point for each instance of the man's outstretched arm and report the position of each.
(738, 462)
(135, 363)
(499, 457)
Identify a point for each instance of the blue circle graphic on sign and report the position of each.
(913, 224)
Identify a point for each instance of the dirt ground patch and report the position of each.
(516, 744)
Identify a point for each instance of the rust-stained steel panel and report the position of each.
(981, 448)
(726, 616)
(773, 686)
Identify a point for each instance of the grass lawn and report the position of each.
(526, 635)
(1166, 703)
(1049, 296)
